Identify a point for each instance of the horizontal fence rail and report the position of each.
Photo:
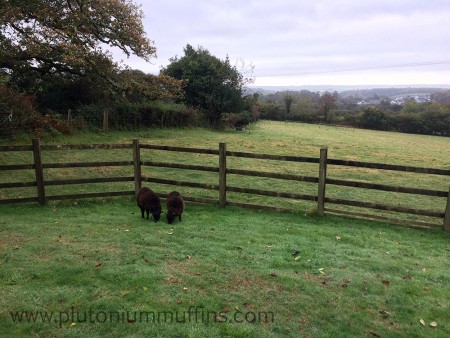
(222, 187)
(180, 166)
(180, 149)
(15, 148)
(85, 146)
(273, 157)
(86, 164)
(394, 167)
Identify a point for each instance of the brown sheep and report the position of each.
(149, 201)
(175, 206)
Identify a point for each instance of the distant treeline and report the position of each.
(432, 118)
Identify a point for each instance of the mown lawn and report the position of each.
(224, 272)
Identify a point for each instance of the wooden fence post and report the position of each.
(38, 171)
(222, 174)
(447, 214)
(105, 121)
(322, 181)
(137, 166)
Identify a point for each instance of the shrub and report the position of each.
(50, 125)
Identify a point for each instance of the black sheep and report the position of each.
(175, 206)
(148, 201)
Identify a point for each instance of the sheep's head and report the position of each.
(170, 217)
(157, 215)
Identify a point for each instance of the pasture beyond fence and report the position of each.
(320, 199)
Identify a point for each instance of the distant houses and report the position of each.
(400, 100)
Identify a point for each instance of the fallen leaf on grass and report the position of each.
(220, 319)
(124, 292)
(338, 238)
(179, 302)
(424, 270)
(297, 258)
(372, 333)
(185, 289)
(72, 324)
(273, 274)
(226, 310)
(433, 324)
(422, 322)
(426, 289)
(145, 288)
(386, 282)
(239, 248)
(98, 265)
(407, 278)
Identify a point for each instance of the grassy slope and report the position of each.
(102, 256)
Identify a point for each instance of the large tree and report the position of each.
(212, 85)
(327, 103)
(69, 38)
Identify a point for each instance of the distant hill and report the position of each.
(347, 90)
(391, 92)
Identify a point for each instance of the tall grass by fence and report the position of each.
(136, 161)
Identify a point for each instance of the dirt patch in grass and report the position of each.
(322, 280)
(14, 241)
(243, 280)
(179, 271)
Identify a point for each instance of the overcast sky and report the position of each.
(309, 42)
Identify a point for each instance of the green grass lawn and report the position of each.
(94, 265)
(224, 272)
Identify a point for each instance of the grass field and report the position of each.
(94, 265)
(264, 137)
(95, 268)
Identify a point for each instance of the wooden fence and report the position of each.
(222, 187)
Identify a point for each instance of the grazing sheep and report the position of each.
(148, 201)
(175, 206)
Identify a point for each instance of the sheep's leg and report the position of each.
(142, 212)
(148, 211)
(179, 217)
